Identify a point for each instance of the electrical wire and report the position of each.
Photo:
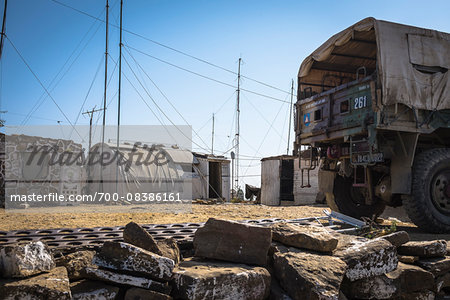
(173, 49)
(42, 85)
(204, 76)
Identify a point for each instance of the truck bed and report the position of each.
(333, 114)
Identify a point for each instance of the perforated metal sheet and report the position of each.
(63, 238)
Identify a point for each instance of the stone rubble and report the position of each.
(232, 260)
(122, 256)
(233, 241)
(88, 290)
(25, 260)
(436, 248)
(304, 236)
(196, 279)
(53, 285)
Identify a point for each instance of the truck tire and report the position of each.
(429, 204)
(348, 200)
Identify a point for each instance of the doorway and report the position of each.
(215, 180)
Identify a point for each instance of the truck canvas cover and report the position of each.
(412, 63)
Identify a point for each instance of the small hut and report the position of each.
(212, 179)
(281, 182)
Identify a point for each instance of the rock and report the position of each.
(141, 294)
(194, 279)
(277, 292)
(422, 295)
(135, 234)
(397, 238)
(442, 282)
(127, 280)
(304, 236)
(437, 248)
(378, 287)
(233, 241)
(76, 262)
(405, 279)
(126, 257)
(437, 266)
(169, 248)
(406, 259)
(53, 285)
(411, 278)
(89, 290)
(25, 260)
(366, 258)
(309, 276)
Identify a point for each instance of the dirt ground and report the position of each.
(199, 213)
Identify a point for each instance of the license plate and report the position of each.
(367, 158)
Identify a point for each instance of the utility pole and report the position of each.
(212, 136)
(118, 100)
(290, 117)
(236, 161)
(90, 113)
(2, 38)
(104, 92)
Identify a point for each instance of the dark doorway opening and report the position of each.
(215, 180)
(287, 180)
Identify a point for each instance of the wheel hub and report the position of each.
(440, 190)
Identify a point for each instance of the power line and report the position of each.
(175, 50)
(39, 102)
(201, 75)
(154, 102)
(42, 85)
(164, 96)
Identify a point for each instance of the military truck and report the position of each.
(373, 114)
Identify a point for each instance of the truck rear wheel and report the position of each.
(350, 200)
(429, 204)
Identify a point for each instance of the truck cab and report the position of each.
(373, 114)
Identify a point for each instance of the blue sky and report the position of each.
(272, 37)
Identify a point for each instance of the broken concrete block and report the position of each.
(404, 279)
(233, 241)
(135, 234)
(25, 260)
(141, 294)
(442, 282)
(411, 278)
(304, 236)
(397, 238)
(53, 285)
(437, 266)
(129, 280)
(377, 287)
(309, 276)
(437, 248)
(76, 262)
(277, 292)
(366, 258)
(89, 290)
(406, 259)
(169, 248)
(422, 295)
(126, 257)
(195, 279)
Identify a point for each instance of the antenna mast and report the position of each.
(2, 39)
(290, 117)
(104, 93)
(212, 135)
(106, 74)
(236, 161)
(118, 100)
